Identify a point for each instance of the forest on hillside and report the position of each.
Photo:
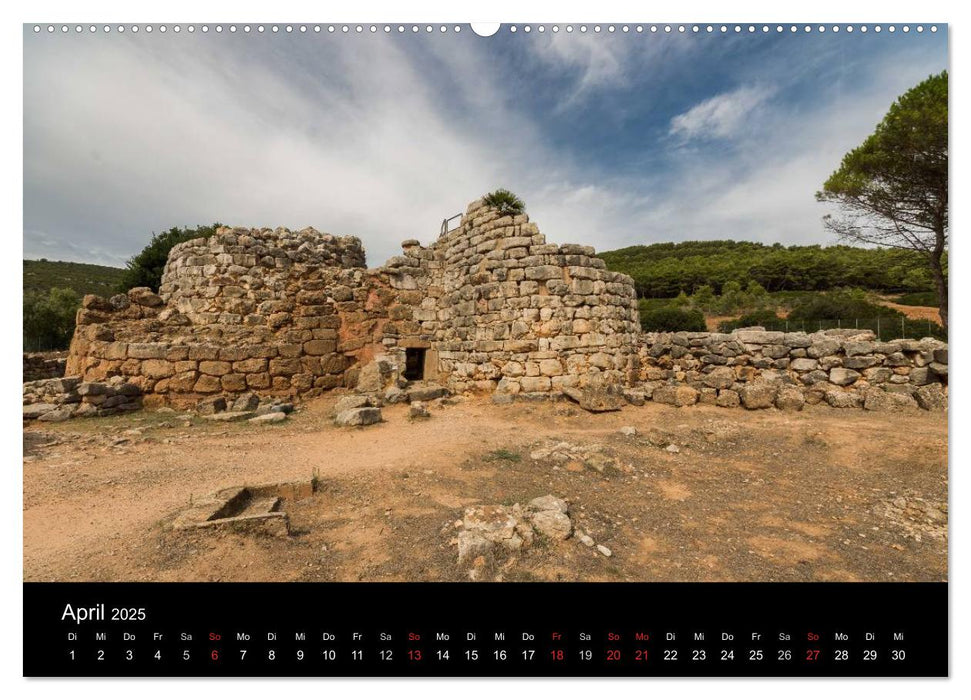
(664, 270)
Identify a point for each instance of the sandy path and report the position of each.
(83, 500)
(800, 490)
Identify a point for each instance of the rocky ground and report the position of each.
(651, 493)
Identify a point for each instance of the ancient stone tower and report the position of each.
(488, 306)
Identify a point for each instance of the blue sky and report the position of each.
(611, 139)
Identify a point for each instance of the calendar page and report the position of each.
(540, 349)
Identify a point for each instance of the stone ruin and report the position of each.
(490, 306)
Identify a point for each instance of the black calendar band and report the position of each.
(465, 629)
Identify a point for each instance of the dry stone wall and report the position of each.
(756, 368)
(243, 310)
(44, 365)
(55, 400)
(490, 306)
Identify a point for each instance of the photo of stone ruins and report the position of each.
(482, 408)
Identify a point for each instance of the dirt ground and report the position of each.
(697, 494)
(915, 313)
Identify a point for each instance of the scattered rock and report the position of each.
(36, 410)
(375, 376)
(418, 411)
(229, 416)
(216, 404)
(272, 417)
(358, 417)
(672, 448)
(428, 392)
(472, 545)
(57, 415)
(346, 403)
(628, 430)
(548, 503)
(604, 550)
(512, 528)
(553, 524)
(246, 402)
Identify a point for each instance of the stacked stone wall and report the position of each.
(495, 307)
(761, 369)
(243, 310)
(44, 365)
(504, 310)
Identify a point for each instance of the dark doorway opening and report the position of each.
(414, 364)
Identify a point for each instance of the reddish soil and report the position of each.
(817, 495)
(915, 313)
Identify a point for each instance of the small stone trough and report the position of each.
(245, 509)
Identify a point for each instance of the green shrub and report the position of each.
(761, 317)
(506, 202)
(703, 297)
(842, 304)
(145, 269)
(49, 319)
(917, 299)
(672, 319)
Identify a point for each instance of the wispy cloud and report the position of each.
(597, 63)
(383, 137)
(720, 116)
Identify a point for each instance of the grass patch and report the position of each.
(502, 456)
(917, 299)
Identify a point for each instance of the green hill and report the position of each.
(42, 275)
(666, 269)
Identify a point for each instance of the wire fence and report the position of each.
(885, 328)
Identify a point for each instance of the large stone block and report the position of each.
(217, 368)
(803, 364)
(544, 272)
(158, 369)
(147, 351)
(675, 395)
(320, 347)
(720, 378)
(207, 384)
(841, 376)
(356, 417)
(758, 394)
(755, 337)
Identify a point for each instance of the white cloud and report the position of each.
(122, 138)
(720, 116)
(598, 62)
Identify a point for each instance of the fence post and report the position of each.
(903, 330)
(839, 323)
(878, 329)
